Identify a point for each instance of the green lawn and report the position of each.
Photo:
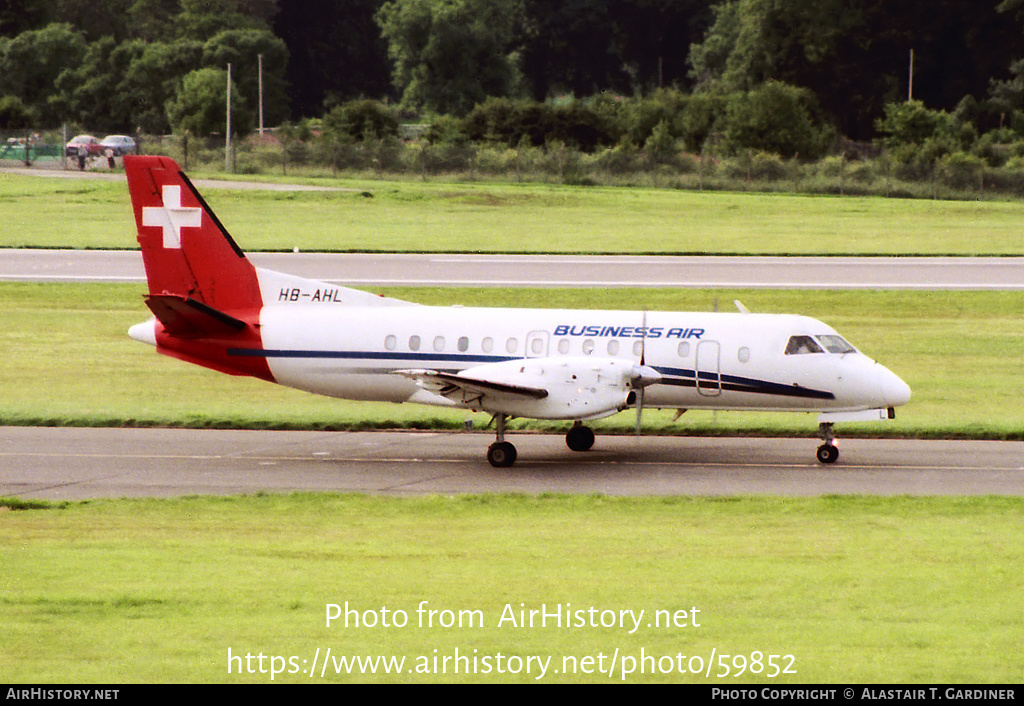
(70, 361)
(159, 591)
(527, 218)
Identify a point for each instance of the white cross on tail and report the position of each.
(172, 216)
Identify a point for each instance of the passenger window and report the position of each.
(613, 347)
(638, 348)
(563, 346)
(836, 344)
(683, 349)
(799, 345)
(414, 343)
(390, 342)
(511, 345)
(439, 343)
(487, 344)
(588, 346)
(463, 344)
(743, 354)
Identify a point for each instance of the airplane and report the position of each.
(212, 307)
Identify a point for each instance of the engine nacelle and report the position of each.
(577, 388)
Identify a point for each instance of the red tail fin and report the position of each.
(203, 291)
(185, 248)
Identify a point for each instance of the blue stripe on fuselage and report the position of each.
(677, 377)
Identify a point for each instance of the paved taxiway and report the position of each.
(67, 463)
(367, 270)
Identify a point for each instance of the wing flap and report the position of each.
(465, 388)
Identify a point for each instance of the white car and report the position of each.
(121, 144)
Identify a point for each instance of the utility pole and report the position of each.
(260, 57)
(910, 79)
(227, 144)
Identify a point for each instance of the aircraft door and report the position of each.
(709, 377)
(537, 344)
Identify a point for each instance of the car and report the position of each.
(121, 144)
(83, 143)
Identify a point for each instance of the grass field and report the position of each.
(159, 591)
(530, 218)
(959, 352)
(855, 589)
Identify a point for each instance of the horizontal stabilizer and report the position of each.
(186, 317)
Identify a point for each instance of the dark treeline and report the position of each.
(840, 66)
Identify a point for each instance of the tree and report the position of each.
(152, 20)
(15, 115)
(451, 54)
(585, 47)
(87, 92)
(202, 19)
(775, 118)
(336, 53)
(201, 105)
(17, 16)
(152, 78)
(31, 63)
(854, 54)
(242, 48)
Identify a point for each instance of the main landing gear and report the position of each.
(827, 452)
(579, 438)
(502, 454)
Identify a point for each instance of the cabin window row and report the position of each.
(588, 346)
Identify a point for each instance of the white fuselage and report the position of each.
(212, 307)
(706, 360)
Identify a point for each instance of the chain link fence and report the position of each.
(954, 176)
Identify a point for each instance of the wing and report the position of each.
(542, 388)
(466, 389)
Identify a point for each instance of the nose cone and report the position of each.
(894, 391)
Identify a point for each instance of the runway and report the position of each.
(75, 464)
(370, 269)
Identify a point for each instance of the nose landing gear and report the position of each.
(827, 452)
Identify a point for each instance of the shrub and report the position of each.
(14, 114)
(360, 121)
(775, 118)
(960, 170)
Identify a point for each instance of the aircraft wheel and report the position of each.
(580, 438)
(501, 454)
(828, 453)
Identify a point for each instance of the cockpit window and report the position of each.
(798, 345)
(836, 344)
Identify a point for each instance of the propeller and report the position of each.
(643, 376)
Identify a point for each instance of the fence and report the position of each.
(956, 176)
